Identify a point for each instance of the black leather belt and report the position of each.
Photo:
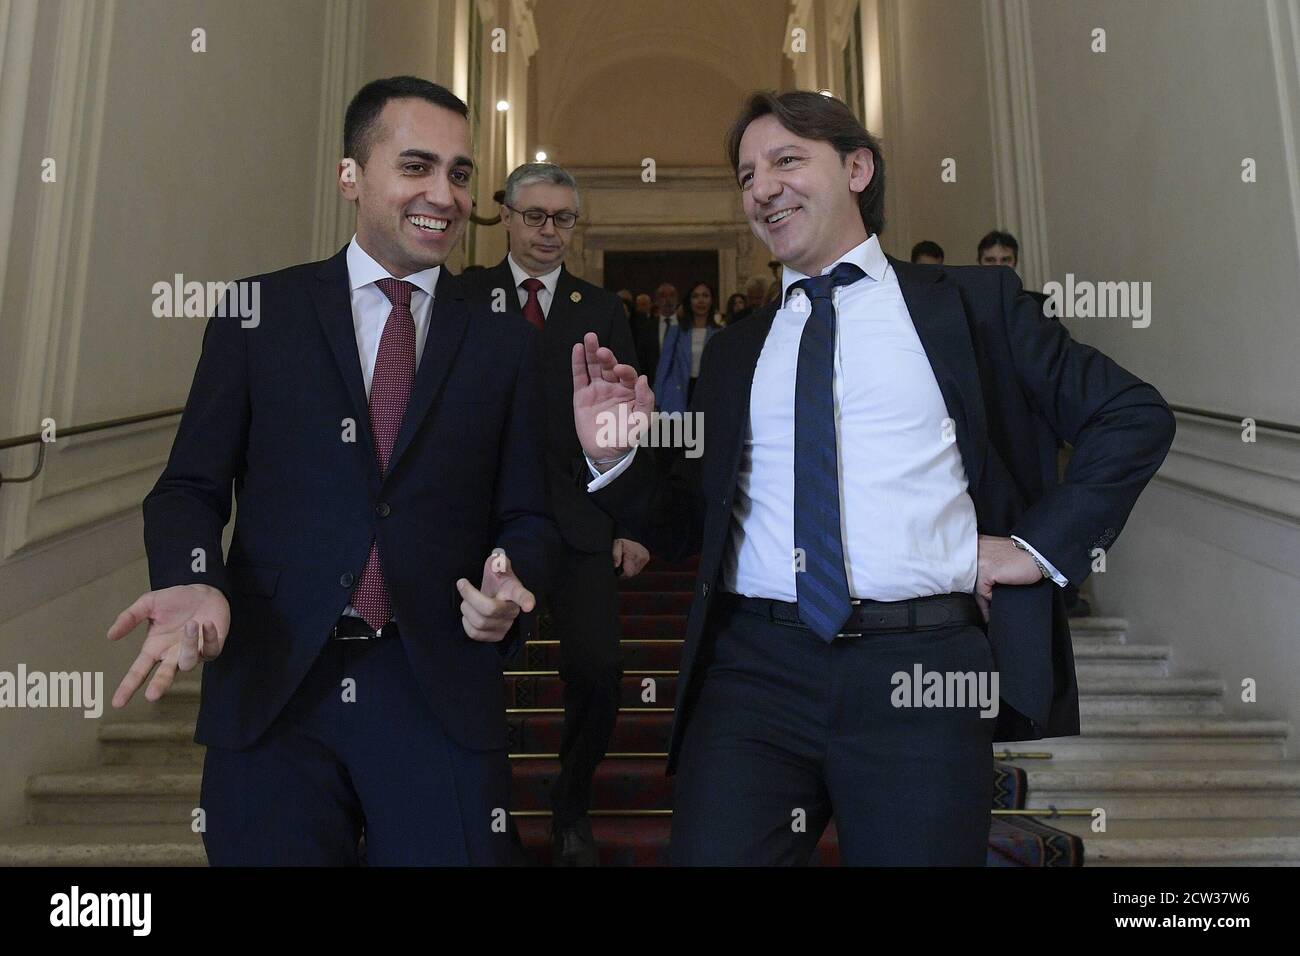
(915, 614)
(351, 628)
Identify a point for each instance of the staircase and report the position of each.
(632, 799)
(1181, 782)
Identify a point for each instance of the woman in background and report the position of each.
(737, 308)
(679, 359)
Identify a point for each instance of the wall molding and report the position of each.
(341, 70)
(1209, 459)
(1017, 158)
(898, 215)
(56, 286)
(1284, 40)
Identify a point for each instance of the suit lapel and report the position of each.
(448, 320)
(500, 277)
(332, 297)
(749, 345)
(940, 322)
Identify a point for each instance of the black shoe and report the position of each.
(575, 846)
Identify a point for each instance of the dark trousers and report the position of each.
(788, 731)
(584, 618)
(329, 770)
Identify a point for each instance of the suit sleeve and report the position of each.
(190, 504)
(1120, 427)
(525, 527)
(666, 513)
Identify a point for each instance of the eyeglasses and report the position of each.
(538, 217)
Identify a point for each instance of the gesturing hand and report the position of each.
(601, 386)
(187, 623)
(1001, 562)
(488, 612)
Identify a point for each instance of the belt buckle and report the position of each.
(855, 602)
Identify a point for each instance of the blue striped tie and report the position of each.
(821, 586)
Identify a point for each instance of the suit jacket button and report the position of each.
(346, 579)
(383, 510)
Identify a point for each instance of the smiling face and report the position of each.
(539, 249)
(413, 193)
(800, 198)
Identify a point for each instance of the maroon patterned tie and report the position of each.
(533, 307)
(390, 389)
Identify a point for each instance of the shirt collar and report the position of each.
(364, 270)
(866, 255)
(549, 280)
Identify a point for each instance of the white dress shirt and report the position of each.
(370, 307)
(664, 322)
(545, 295)
(907, 521)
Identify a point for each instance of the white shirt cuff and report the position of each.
(1057, 576)
(603, 479)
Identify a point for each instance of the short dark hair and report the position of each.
(361, 124)
(927, 248)
(814, 116)
(998, 238)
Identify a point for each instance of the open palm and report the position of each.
(601, 387)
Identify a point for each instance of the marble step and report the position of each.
(143, 794)
(1171, 790)
(1099, 630)
(1254, 842)
(1119, 696)
(1120, 660)
(82, 844)
(1175, 737)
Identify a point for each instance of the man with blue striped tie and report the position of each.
(882, 538)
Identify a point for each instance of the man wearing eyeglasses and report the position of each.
(540, 210)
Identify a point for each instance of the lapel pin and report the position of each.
(575, 297)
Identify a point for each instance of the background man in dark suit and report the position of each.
(650, 332)
(877, 494)
(539, 212)
(382, 438)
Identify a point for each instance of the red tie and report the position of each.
(533, 307)
(390, 389)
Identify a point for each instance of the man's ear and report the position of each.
(861, 168)
(347, 178)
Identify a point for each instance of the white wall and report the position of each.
(1141, 156)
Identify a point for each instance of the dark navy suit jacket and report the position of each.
(267, 417)
(1013, 382)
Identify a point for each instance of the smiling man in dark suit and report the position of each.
(877, 494)
(540, 210)
(383, 441)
